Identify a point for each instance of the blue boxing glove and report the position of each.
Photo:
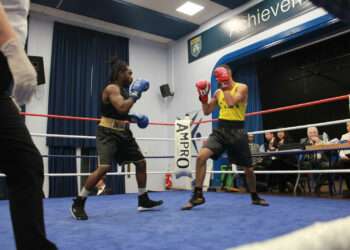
(137, 87)
(142, 121)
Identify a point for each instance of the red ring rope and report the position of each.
(262, 112)
(67, 117)
(290, 107)
(301, 105)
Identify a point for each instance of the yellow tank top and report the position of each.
(236, 113)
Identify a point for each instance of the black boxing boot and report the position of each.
(145, 203)
(196, 199)
(78, 208)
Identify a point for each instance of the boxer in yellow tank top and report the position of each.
(232, 99)
(235, 113)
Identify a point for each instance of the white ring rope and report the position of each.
(92, 137)
(328, 171)
(64, 136)
(198, 138)
(321, 124)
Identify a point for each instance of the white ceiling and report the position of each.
(169, 7)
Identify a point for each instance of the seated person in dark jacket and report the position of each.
(270, 143)
(269, 162)
(315, 160)
(285, 162)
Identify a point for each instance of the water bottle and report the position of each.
(325, 137)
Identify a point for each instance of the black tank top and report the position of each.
(107, 109)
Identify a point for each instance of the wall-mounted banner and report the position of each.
(183, 152)
(262, 16)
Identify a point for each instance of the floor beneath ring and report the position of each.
(226, 220)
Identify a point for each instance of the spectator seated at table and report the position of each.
(271, 162)
(285, 162)
(315, 161)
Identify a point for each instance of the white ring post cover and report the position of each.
(183, 152)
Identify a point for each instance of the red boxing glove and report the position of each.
(203, 88)
(222, 77)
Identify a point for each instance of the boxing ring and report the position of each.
(226, 220)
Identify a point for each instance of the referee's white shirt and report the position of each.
(17, 12)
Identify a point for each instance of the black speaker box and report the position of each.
(165, 90)
(38, 63)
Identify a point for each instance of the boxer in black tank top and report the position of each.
(114, 139)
